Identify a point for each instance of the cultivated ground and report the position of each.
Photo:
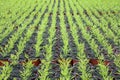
(59, 40)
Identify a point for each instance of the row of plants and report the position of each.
(81, 55)
(28, 66)
(64, 61)
(100, 37)
(17, 23)
(6, 71)
(104, 21)
(8, 20)
(96, 30)
(109, 32)
(41, 29)
(86, 35)
(15, 36)
(64, 34)
(102, 67)
(44, 68)
(104, 25)
(101, 5)
(4, 9)
(26, 73)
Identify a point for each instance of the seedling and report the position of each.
(6, 71)
(65, 70)
(27, 70)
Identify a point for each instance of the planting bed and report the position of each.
(59, 40)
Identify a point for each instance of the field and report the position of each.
(59, 39)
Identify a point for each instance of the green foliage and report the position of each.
(44, 70)
(65, 70)
(86, 75)
(117, 61)
(6, 71)
(91, 22)
(104, 71)
(27, 70)
(14, 58)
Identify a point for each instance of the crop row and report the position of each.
(82, 41)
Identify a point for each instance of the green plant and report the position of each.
(27, 70)
(14, 58)
(117, 61)
(103, 70)
(65, 70)
(44, 70)
(14, 78)
(86, 75)
(6, 71)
